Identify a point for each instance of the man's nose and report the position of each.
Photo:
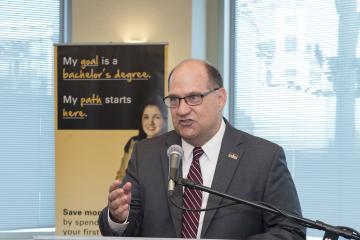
(183, 107)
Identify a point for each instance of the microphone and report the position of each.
(175, 154)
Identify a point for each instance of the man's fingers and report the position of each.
(127, 188)
(118, 209)
(114, 185)
(119, 196)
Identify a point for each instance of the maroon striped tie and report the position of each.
(192, 198)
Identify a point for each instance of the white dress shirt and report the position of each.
(208, 163)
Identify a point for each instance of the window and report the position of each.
(28, 30)
(290, 44)
(296, 69)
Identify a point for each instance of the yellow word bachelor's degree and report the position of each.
(83, 74)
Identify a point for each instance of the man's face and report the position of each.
(196, 124)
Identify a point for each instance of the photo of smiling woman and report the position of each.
(153, 122)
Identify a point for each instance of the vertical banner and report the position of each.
(100, 91)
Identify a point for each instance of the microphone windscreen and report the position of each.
(175, 149)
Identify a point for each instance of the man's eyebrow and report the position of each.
(194, 93)
(189, 94)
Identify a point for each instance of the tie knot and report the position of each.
(197, 152)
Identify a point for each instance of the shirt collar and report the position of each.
(211, 148)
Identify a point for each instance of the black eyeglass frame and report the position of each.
(186, 98)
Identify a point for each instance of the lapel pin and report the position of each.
(233, 156)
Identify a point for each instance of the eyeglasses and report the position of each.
(191, 100)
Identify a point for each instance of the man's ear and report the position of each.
(222, 96)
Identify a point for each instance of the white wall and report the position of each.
(135, 20)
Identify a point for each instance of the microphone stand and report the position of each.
(331, 232)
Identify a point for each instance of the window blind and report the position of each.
(28, 30)
(296, 82)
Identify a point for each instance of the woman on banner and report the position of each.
(153, 122)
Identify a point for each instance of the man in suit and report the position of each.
(216, 155)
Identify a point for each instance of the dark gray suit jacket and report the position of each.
(258, 174)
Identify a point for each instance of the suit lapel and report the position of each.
(175, 213)
(229, 158)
